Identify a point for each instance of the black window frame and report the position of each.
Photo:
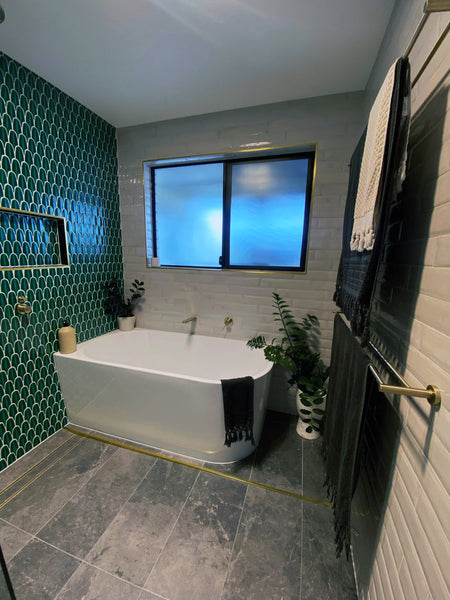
(224, 259)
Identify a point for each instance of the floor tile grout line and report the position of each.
(2, 491)
(5, 502)
(251, 469)
(141, 592)
(201, 468)
(84, 562)
(74, 494)
(302, 529)
(153, 594)
(8, 560)
(234, 543)
(171, 531)
(121, 509)
(81, 560)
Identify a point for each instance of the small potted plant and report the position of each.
(307, 371)
(116, 305)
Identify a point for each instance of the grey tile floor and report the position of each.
(89, 520)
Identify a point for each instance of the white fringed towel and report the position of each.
(363, 233)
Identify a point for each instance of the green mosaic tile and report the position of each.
(56, 158)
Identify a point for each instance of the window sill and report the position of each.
(220, 270)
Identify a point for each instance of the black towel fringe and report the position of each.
(236, 433)
(358, 314)
(238, 409)
(341, 525)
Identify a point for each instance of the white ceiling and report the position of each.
(136, 61)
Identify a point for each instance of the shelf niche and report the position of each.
(30, 240)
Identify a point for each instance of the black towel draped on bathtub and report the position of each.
(238, 409)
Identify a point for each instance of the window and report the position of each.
(232, 212)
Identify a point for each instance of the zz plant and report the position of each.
(294, 352)
(115, 304)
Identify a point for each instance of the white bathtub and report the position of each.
(162, 389)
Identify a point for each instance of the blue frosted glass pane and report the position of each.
(267, 213)
(189, 215)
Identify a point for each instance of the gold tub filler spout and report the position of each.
(190, 320)
(23, 306)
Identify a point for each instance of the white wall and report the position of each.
(412, 555)
(335, 124)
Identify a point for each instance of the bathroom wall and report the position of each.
(58, 158)
(401, 511)
(335, 124)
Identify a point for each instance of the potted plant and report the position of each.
(307, 372)
(116, 305)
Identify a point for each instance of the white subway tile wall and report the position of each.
(335, 124)
(411, 549)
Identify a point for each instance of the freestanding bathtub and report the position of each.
(162, 389)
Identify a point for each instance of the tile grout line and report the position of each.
(72, 496)
(141, 596)
(140, 589)
(119, 511)
(302, 529)
(23, 531)
(2, 491)
(201, 468)
(38, 475)
(80, 560)
(170, 532)
(234, 542)
(83, 562)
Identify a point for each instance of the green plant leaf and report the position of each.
(305, 401)
(295, 350)
(258, 341)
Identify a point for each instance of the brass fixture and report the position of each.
(432, 393)
(436, 6)
(23, 307)
(190, 320)
(228, 321)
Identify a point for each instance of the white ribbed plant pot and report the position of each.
(304, 427)
(126, 323)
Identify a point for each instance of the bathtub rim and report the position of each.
(80, 356)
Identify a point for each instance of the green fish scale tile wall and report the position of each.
(57, 158)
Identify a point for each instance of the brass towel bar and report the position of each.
(430, 6)
(432, 393)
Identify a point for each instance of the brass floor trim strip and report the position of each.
(178, 461)
(10, 485)
(39, 474)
